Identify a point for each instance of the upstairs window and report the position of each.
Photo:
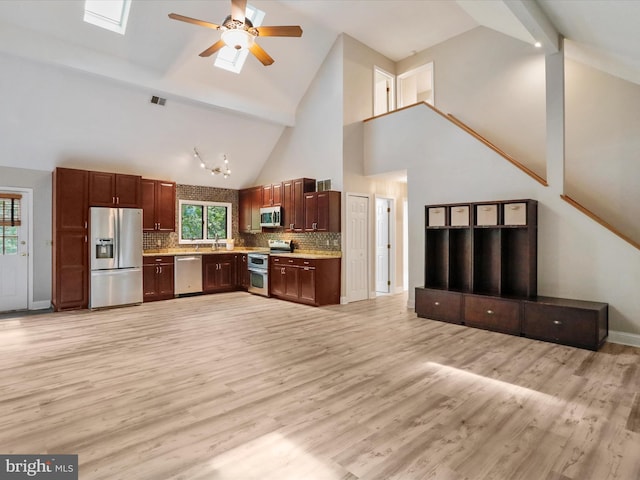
(204, 222)
(109, 14)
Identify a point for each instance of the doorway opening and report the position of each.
(384, 92)
(416, 85)
(384, 236)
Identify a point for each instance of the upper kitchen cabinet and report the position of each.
(250, 201)
(70, 249)
(158, 205)
(114, 190)
(293, 202)
(322, 211)
(272, 195)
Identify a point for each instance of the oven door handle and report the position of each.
(259, 270)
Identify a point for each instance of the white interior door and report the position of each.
(383, 245)
(14, 260)
(357, 247)
(383, 91)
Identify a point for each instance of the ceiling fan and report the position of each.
(238, 32)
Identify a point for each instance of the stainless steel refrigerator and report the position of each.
(115, 254)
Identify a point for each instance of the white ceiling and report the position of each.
(160, 55)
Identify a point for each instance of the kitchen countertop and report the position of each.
(308, 254)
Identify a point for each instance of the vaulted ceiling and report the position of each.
(160, 56)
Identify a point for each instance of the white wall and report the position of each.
(359, 63)
(495, 84)
(577, 258)
(40, 182)
(55, 116)
(313, 148)
(602, 166)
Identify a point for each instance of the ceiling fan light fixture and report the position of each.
(238, 38)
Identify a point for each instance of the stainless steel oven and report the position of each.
(258, 265)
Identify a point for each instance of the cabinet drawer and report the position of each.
(570, 326)
(487, 215)
(161, 259)
(492, 313)
(515, 214)
(437, 217)
(439, 305)
(460, 216)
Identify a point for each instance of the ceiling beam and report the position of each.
(529, 13)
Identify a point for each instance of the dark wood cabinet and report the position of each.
(481, 270)
(70, 279)
(492, 313)
(276, 195)
(439, 305)
(250, 202)
(218, 272)
(242, 271)
(157, 278)
(322, 211)
(115, 190)
(293, 202)
(311, 281)
(571, 322)
(158, 205)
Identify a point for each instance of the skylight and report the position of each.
(109, 14)
(231, 59)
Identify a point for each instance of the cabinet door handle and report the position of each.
(557, 322)
(156, 269)
(489, 312)
(436, 303)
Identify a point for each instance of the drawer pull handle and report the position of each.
(436, 303)
(489, 312)
(459, 210)
(487, 209)
(557, 322)
(514, 207)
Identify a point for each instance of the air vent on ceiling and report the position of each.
(158, 100)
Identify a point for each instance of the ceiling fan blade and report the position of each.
(260, 54)
(282, 31)
(238, 8)
(195, 21)
(213, 49)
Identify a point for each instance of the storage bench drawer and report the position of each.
(578, 327)
(439, 305)
(492, 313)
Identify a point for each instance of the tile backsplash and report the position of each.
(303, 241)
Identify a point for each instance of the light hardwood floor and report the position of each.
(239, 387)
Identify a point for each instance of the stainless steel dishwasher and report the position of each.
(188, 277)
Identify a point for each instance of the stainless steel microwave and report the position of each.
(270, 217)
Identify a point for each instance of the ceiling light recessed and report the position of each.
(537, 44)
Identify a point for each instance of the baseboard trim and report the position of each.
(343, 301)
(624, 338)
(40, 305)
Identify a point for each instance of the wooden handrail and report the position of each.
(499, 151)
(474, 134)
(599, 220)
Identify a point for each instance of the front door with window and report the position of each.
(13, 252)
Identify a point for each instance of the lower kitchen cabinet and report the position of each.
(157, 278)
(311, 281)
(576, 323)
(242, 271)
(218, 272)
